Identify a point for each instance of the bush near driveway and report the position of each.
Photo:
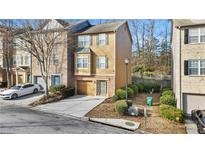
(171, 113)
(56, 93)
(168, 100)
(121, 106)
(168, 92)
(62, 90)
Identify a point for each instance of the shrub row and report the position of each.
(171, 113)
(121, 106)
(62, 90)
(168, 98)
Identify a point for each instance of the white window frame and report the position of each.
(199, 35)
(201, 67)
(102, 39)
(102, 65)
(198, 67)
(84, 41)
(83, 61)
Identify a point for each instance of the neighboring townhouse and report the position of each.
(62, 62)
(2, 71)
(99, 59)
(188, 52)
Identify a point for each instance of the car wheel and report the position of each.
(35, 91)
(14, 96)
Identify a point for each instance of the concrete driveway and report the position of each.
(77, 106)
(24, 100)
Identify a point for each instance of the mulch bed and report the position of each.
(155, 123)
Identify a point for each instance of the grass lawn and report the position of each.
(155, 123)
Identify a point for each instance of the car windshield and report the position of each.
(16, 87)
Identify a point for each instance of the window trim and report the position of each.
(199, 36)
(83, 57)
(55, 75)
(83, 44)
(98, 62)
(199, 67)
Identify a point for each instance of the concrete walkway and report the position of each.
(191, 127)
(76, 106)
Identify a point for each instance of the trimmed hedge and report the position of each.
(171, 113)
(121, 94)
(168, 100)
(62, 90)
(168, 92)
(148, 87)
(134, 88)
(121, 107)
(140, 87)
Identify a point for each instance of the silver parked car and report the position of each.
(20, 90)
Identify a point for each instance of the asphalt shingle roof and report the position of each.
(108, 27)
(188, 22)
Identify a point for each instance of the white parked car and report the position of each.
(20, 90)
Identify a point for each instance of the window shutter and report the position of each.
(107, 38)
(186, 67)
(97, 62)
(106, 62)
(97, 39)
(91, 40)
(186, 36)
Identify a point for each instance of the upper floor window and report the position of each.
(102, 39)
(1, 44)
(55, 58)
(194, 67)
(84, 40)
(195, 35)
(82, 62)
(102, 62)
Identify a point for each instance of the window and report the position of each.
(202, 35)
(193, 67)
(202, 67)
(55, 80)
(82, 62)
(102, 39)
(27, 60)
(55, 58)
(102, 62)
(196, 35)
(196, 67)
(14, 60)
(84, 40)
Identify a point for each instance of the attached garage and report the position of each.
(192, 102)
(85, 88)
(39, 80)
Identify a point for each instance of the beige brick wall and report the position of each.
(189, 84)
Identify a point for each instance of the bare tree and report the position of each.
(39, 40)
(7, 26)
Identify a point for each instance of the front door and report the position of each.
(20, 79)
(102, 87)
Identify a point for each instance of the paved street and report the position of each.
(20, 120)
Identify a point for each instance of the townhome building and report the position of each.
(61, 70)
(188, 52)
(99, 59)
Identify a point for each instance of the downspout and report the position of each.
(180, 69)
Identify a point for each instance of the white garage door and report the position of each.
(192, 102)
(39, 80)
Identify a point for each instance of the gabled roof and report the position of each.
(188, 22)
(107, 27)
